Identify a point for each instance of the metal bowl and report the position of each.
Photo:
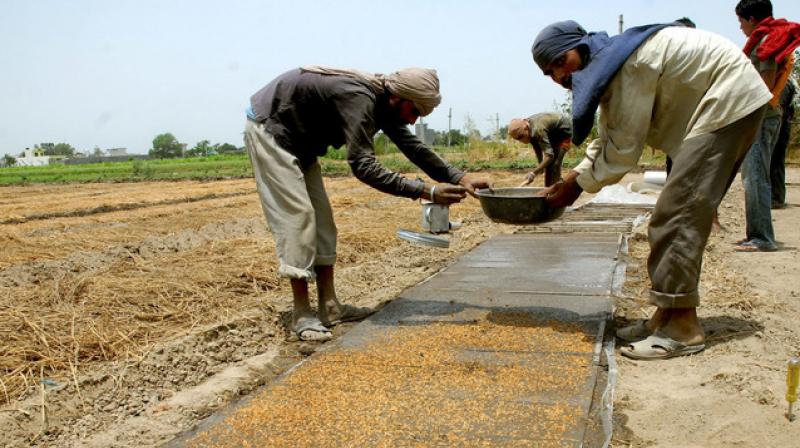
(516, 205)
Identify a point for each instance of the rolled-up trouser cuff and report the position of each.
(682, 300)
(292, 272)
(287, 271)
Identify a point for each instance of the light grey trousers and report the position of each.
(702, 172)
(295, 205)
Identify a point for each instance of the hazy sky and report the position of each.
(116, 73)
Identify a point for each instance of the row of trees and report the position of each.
(457, 138)
(440, 138)
(166, 146)
(56, 149)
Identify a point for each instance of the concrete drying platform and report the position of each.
(502, 348)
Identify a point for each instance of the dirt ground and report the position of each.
(134, 310)
(128, 312)
(731, 395)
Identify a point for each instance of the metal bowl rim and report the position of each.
(498, 192)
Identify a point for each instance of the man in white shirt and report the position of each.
(688, 92)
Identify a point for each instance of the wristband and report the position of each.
(433, 193)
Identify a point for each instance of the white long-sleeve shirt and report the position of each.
(679, 84)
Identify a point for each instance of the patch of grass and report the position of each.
(336, 154)
(213, 167)
(334, 167)
(477, 156)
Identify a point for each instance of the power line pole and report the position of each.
(621, 24)
(494, 122)
(449, 124)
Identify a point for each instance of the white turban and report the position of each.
(418, 85)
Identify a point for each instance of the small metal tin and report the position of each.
(435, 217)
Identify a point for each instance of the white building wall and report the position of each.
(31, 160)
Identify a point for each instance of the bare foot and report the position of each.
(334, 313)
(683, 326)
(643, 329)
(657, 320)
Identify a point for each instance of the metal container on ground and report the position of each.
(435, 217)
(520, 205)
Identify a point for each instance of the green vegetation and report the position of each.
(475, 156)
(166, 146)
(213, 167)
(9, 160)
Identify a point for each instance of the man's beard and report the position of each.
(567, 82)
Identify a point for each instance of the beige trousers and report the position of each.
(295, 205)
(701, 174)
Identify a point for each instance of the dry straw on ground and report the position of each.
(88, 287)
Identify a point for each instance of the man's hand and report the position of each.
(528, 179)
(444, 194)
(472, 183)
(564, 192)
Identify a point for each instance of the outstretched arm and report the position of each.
(430, 162)
(548, 160)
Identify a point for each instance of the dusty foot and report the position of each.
(683, 330)
(642, 329)
(333, 313)
(657, 320)
(634, 332)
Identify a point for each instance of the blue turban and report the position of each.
(606, 56)
(555, 40)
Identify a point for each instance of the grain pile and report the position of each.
(425, 386)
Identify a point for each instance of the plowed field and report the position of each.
(99, 278)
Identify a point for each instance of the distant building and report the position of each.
(117, 152)
(33, 157)
(424, 134)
